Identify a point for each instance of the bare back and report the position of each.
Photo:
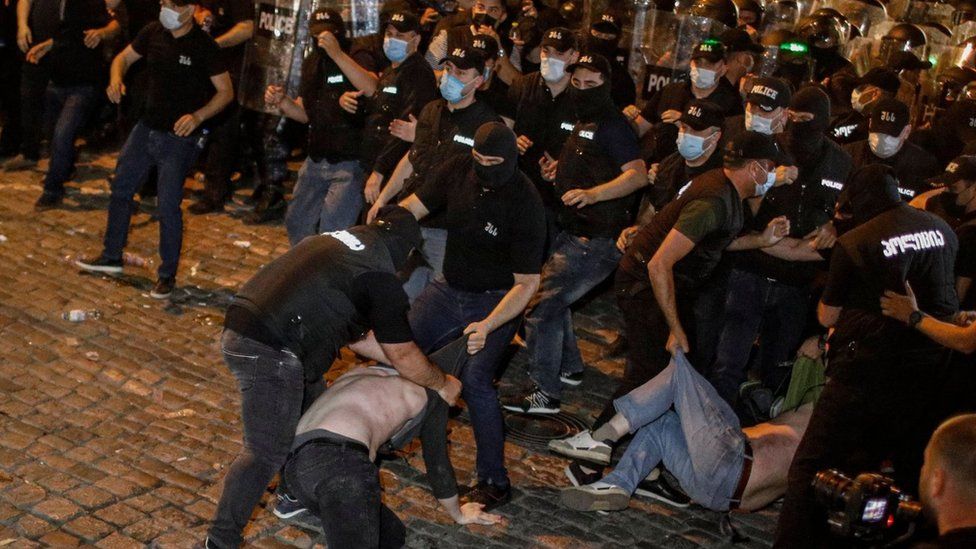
(773, 445)
(366, 404)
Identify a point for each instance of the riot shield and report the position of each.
(934, 83)
(963, 31)
(270, 54)
(667, 45)
(782, 14)
(860, 15)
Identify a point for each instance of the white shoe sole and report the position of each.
(154, 295)
(571, 382)
(292, 514)
(98, 268)
(532, 411)
(576, 453)
(585, 500)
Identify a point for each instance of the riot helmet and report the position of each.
(723, 11)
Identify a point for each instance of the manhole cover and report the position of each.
(535, 431)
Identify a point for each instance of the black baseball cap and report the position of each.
(405, 21)
(468, 57)
(711, 49)
(906, 61)
(881, 77)
(769, 93)
(702, 114)
(888, 116)
(486, 44)
(736, 40)
(961, 167)
(594, 62)
(961, 117)
(607, 23)
(560, 39)
(752, 145)
(324, 19)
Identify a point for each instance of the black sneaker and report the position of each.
(663, 490)
(48, 201)
(289, 508)
(163, 288)
(489, 494)
(535, 402)
(100, 265)
(205, 206)
(572, 379)
(581, 475)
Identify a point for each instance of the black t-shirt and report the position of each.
(496, 96)
(333, 134)
(849, 127)
(139, 14)
(546, 120)
(911, 163)
(379, 297)
(491, 234)
(179, 73)
(44, 19)
(226, 14)
(71, 62)
(623, 90)
(676, 96)
(402, 90)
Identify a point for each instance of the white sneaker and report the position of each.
(598, 496)
(583, 446)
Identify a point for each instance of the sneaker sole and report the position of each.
(98, 268)
(154, 295)
(662, 499)
(532, 411)
(584, 500)
(290, 515)
(585, 455)
(571, 382)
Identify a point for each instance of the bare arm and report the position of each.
(774, 232)
(960, 336)
(24, 36)
(415, 206)
(793, 249)
(361, 78)
(223, 97)
(633, 176)
(411, 363)
(403, 170)
(238, 34)
(510, 306)
(294, 109)
(121, 64)
(660, 270)
(963, 284)
(827, 314)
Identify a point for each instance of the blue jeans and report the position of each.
(576, 266)
(433, 250)
(172, 156)
(328, 197)
(68, 108)
(756, 305)
(677, 418)
(437, 317)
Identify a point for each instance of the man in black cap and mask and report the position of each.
(769, 288)
(852, 124)
(284, 329)
(495, 238)
(885, 377)
(597, 173)
(887, 143)
(604, 39)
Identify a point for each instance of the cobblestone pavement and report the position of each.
(114, 432)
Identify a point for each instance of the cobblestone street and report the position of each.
(115, 431)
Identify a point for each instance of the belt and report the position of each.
(743, 477)
(353, 445)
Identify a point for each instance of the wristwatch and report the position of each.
(915, 318)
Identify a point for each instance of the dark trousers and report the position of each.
(877, 405)
(223, 154)
(341, 486)
(758, 306)
(12, 132)
(438, 316)
(172, 156)
(273, 396)
(33, 83)
(68, 107)
(647, 334)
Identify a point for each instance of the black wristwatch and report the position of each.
(915, 318)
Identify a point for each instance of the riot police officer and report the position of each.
(851, 124)
(884, 377)
(887, 143)
(604, 39)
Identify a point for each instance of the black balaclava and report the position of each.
(870, 191)
(590, 103)
(399, 231)
(807, 138)
(495, 139)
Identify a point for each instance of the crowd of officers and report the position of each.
(732, 211)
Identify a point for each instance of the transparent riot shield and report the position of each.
(781, 14)
(270, 54)
(667, 45)
(923, 12)
(963, 31)
(932, 83)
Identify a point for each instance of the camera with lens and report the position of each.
(868, 509)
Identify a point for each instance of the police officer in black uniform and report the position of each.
(604, 39)
(665, 107)
(445, 129)
(286, 326)
(851, 124)
(544, 113)
(887, 143)
(494, 90)
(884, 377)
(769, 289)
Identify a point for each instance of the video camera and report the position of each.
(869, 509)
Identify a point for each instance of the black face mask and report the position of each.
(806, 140)
(948, 202)
(495, 177)
(591, 102)
(480, 19)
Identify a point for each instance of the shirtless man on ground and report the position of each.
(680, 422)
(331, 470)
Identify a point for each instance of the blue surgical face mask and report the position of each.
(452, 89)
(394, 49)
(690, 146)
(759, 124)
(702, 78)
(552, 69)
(884, 145)
(170, 19)
(763, 188)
